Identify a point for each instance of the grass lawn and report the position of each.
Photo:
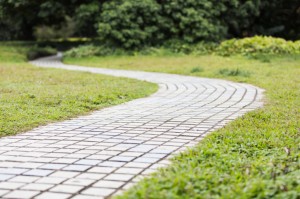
(256, 156)
(31, 96)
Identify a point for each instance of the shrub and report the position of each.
(168, 49)
(199, 48)
(95, 50)
(258, 45)
(194, 20)
(138, 23)
(37, 52)
(258, 48)
(86, 18)
(83, 51)
(130, 23)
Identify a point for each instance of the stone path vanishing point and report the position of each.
(101, 154)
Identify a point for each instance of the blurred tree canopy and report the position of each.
(136, 23)
(19, 18)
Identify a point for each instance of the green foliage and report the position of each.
(66, 30)
(280, 18)
(134, 24)
(258, 45)
(20, 18)
(151, 22)
(86, 17)
(173, 47)
(88, 51)
(64, 44)
(194, 21)
(234, 72)
(199, 48)
(258, 48)
(127, 23)
(36, 52)
(130, 23)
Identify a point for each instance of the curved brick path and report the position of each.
(101, 154)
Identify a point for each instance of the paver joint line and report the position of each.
(99, 155)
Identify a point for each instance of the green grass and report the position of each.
(31, 96)
(256, 156)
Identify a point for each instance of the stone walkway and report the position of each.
(101, 154)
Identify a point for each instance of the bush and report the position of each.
(168, 49)
(194, 21)
(130, 23)
(94, 50)
(200, 48)
(255, 48)
(37, 52)
(135, 24)
(258, 45)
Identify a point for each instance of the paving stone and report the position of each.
(66, 189)
(75, 167)
(101, 170)
(26, 179)
(65, 160)
(79, 182)
(109, 184)
(37, 187)
(87, 197)
(99, 157)
(91, 176)
(64, 174)
(129, 170)
(112, 164)
(10, 185)
(118, 177)
(122, 158)
(146, 160)
(3, 192)
(88, 162)
(4, 177)
(38, 172)
(47, 195)
(51, 180)
(53, 166)
(104, 192)
(29, 165)
(21, 194)
(137, 165)
(13, 171)
(142, 148)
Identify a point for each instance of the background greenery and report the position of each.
(251, 46)
(136, 23)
